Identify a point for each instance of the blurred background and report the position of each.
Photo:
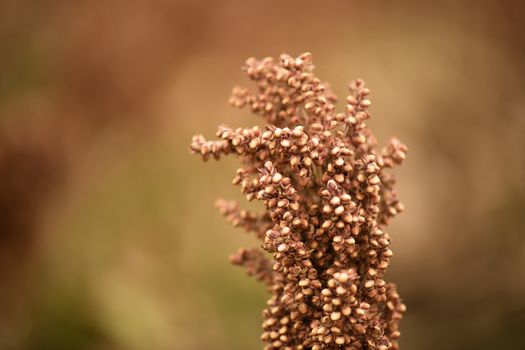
(108, 234)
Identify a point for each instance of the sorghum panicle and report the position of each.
(328, 198)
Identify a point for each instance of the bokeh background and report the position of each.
(108, 234)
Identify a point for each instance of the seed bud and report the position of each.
(335, 316)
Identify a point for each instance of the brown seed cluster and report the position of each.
(328, 198)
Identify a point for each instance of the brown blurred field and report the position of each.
(108, 234)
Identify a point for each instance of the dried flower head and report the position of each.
(328, 198)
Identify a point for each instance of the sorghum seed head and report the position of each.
(327, 197)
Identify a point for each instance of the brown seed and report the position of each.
(350, 241)
(298, 131)
(339, 178)
(282, 247)
(365, 103)
(346, 310)
(339, 210)
(327, 224)
(326, 292)
(303, 308)
(267, 135)
(335, 201)
(307, 161)
(346, 198)
(374, 180)
(342, 278)
(304, 282)
(269, 189)
(335, 316)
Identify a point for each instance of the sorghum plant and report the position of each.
(328, 198)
